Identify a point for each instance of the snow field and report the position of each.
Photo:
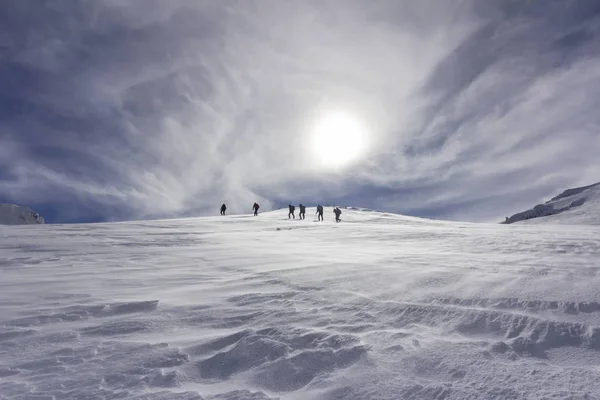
(379, 306)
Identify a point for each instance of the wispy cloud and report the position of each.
(130, 109)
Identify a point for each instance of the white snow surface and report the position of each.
(12, 214)
(578, 206)
(379, 306)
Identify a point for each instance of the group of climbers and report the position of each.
(292, 211)
(319, 212)
(255, 207)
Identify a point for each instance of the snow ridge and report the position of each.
(12, 214)
(573, 206)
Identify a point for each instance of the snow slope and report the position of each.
(379, 306)
(573, 206)
(11, 214)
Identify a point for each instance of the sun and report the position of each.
(338, 139)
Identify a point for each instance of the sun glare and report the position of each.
(338, 140)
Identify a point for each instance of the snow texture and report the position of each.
(11, 214)
(573, 206)
(379, 306)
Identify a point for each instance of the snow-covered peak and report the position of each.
(12, 214)
(573, 206)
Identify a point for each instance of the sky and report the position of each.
(130, 109)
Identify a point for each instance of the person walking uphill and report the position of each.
(291, 213)
(255, 207)
(337, 212)
(319, 212)
(223, 208)
(302, 214)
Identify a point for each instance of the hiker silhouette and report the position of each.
(337, 212)
(302, 213)
(319, 212)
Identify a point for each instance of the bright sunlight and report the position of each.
(338, 139)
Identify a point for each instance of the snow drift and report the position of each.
(379, 306)
(573, 206)
(11, 214)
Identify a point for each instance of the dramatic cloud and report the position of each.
(145, 108)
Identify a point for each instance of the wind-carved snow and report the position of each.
(379, 306)
(573, 206)
(11, 214)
